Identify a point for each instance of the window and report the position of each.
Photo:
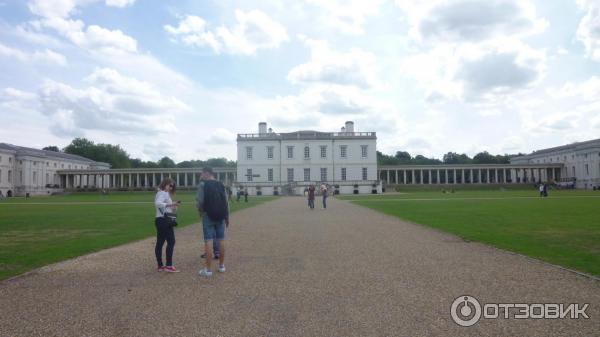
(10, 159)
(587, 169)
(62, 165)
(34, 177)
(0, 159)
(249, 174)
(573, 171)
(20, 177)
(364, 173)
(323, 174)
(9, 176)
(363, 151)
(47, 178)
(306, 152)
(20, 162)
(343, 151)
(55, 165)
(0, 176)
(290, 152)
(323, 151)
(269, 152)
(343, 174)
(249, 152)
(306, 174)
(47, 164)
(290, 174)
(270, 174)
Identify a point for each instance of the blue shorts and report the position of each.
(213, 230)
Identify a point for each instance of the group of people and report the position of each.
(213, 209)
(543, 188)
(311, 195)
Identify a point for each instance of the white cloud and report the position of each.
(253, 30)
(64, 8)
(112, 102)
(355, 67)
(47, 56)
(347, 16)
(92, 38)
(471, 20)
(221, 136)
(589, 90)
(588, 31)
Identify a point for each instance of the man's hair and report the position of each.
(208, 169)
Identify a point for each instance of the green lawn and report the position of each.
(563, 229)
(42, 230)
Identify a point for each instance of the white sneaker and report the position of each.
(205, 272)
(221, 269)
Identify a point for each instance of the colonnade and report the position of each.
(506, 174)
(129, 179)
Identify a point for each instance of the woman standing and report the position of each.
(164, 232)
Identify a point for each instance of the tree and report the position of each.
(403, 157)
(484, 158)
(455, 158)
(107, 153)
(51, 148)
(166, 162)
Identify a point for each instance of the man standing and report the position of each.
(215, 243)
(325, 194)
(214, 210)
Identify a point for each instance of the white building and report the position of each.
(25, 170)
(286, 163)
(581, 162)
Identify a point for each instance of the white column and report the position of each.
(487, 175)
(387, 176)
(194, 179)
(454, 173)
(437, 171)
(404, 173)
(396, 174)
(185, 181)
(462, 176)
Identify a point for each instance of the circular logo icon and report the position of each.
(465, 310)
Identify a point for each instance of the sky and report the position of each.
(183, 78)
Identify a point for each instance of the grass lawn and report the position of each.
(43, 230)
(563, 229)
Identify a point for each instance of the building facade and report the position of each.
(270, 163)
(36, 172)
(580, 162)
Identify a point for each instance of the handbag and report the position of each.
(170, 218)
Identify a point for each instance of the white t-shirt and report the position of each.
(161, 200)
(541, 188)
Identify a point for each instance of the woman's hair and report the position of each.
(166, 182)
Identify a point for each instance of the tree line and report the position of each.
(119, 158)
(405, 158)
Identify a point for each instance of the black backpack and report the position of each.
(215, 200)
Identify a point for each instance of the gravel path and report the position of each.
(344, 271)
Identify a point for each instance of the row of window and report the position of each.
(323, 151)
(34, 177)
(35, 163)
(290, 174)
(585, 156)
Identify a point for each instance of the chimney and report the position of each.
(270, 130)
(262, 128)
(349, 126)
(343, 129)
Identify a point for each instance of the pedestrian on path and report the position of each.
(215, 243)
(541, 188)
(214, 211)
(325, 194)
(311, 196)
(164, 230)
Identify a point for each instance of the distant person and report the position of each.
(541, 189)
(325, 194)
(229, 193)
(214, 210)
(164, 231)
(1, 195)
(311, 196)
(246, 194)
(545, 190)
(239, 194)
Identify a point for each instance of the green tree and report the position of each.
(166, 162)
(51, 148)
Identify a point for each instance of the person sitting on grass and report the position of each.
(164, 231)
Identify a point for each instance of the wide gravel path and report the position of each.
(344, 271)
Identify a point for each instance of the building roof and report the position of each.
(306, 135)
(27, 151)
(569, 147)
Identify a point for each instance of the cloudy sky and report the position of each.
(182, 78)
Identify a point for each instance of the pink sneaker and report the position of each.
(161, 268)
(171, 269)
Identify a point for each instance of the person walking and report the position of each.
(164, 230)
(214, 210)
(541, 189)
(325, 194)
(311, 196)
(215, 243)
